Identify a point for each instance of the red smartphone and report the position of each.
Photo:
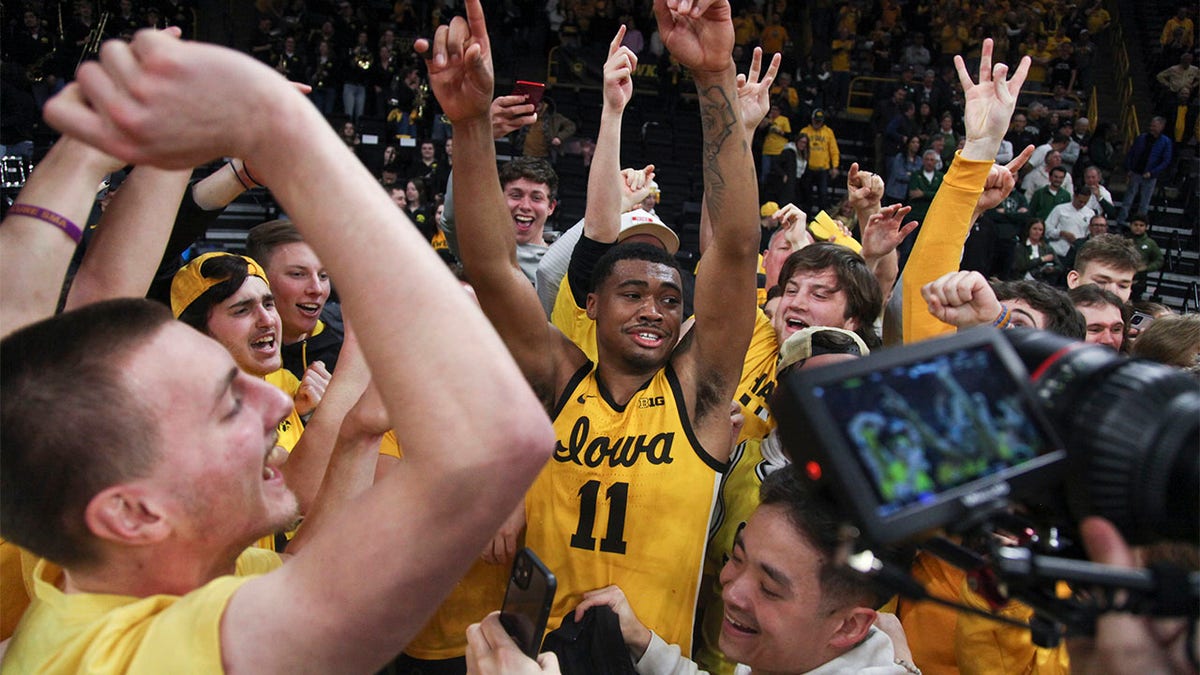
(532, 91)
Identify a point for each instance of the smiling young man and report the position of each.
(1104, 314)
(643, 434)
(312, 328)
(228, 298)
(530, 188)
(790, 607)
(828, 285)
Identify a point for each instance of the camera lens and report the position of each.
(1132, 429)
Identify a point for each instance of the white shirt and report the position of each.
(1067, 218)
(873, 656)
(1105, 195)
(1039, 178)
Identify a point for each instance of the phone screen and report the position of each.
(527, 601)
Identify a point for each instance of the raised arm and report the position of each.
(460, 73)
(129, 240)
(174, 104)
(602, 219)
(38, 239)
(700, 36)
(754, 102)
(938, 249)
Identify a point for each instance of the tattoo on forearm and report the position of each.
(718, 118)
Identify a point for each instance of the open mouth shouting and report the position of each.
(793, 324)
(523, 223)
(275, 458)
(265, 344)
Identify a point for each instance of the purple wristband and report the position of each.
(46, 215)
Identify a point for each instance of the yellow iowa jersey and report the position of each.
(625, 500)
(737, 501)
(758, 380)
(738, 496)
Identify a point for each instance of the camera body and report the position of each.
(940, 434)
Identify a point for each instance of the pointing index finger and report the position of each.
(616, 41)
(1019, 161)
(478, 24)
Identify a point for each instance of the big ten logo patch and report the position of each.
(651, 401)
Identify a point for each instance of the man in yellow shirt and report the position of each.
(778, 130)
(823, 158)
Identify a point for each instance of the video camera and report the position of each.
(954, 436)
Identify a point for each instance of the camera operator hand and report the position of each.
(1125, 643)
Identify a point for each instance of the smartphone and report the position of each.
(1140, 321)
(532, 91)
(527, 601)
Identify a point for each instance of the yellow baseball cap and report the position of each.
(189, 283)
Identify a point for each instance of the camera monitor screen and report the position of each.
(916, 437)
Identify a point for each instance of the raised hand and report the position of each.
(794, 224)
(312, 388)
(1000, 181)
(158, 100)
(754, 94)
(962, 299)
(635, 186)
(510, 113)
(990, 103)
(698, 33)
(618, 73)
(864, 190)
(460, 70)
(884, 231)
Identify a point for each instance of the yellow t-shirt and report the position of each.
(774, 142)
(292, 426)
(98, 633)
(573, 320)
(290, 430)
